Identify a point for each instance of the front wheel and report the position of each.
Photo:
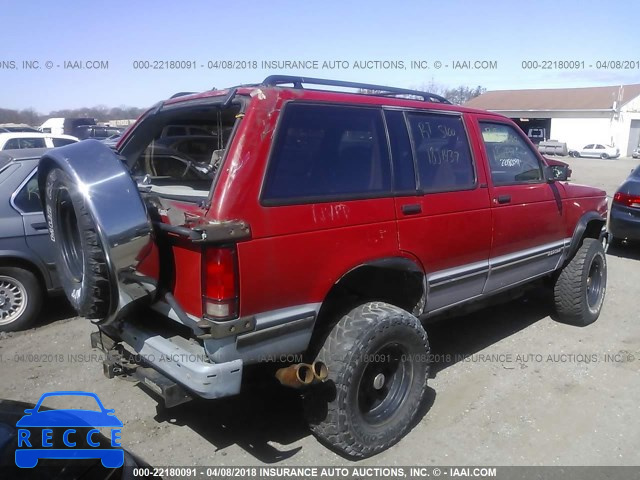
(580, 288)
(377, 358)
(604, 156)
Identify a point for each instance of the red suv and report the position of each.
(319, 228)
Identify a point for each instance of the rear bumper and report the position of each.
(624, 223)
(184, 362)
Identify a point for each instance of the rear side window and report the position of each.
(27, 200)
(12, 144)
(442, 152)
(24, 143)
(61, 142)
(511, 159)
(330, 152)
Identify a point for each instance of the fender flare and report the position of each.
(581, 228)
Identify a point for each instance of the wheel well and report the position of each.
(25, 265)
(593, 229)
(398, 285)
(590, 229)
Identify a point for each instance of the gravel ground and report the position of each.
(517, 388)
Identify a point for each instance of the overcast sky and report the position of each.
(120, 33)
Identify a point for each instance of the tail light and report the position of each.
(627, 200)
(220, 283)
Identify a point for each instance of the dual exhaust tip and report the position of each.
(302, 375)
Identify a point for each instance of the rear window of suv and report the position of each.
(326, 152)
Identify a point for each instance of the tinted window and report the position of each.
(100, 132)
(404, 175)
(60, 142)
(327, 151)
(588, 147)
(510, 157)
(175, 131)
(24, 143)
(28, 198)
(11, 144)
(599, 147)
(442, 153)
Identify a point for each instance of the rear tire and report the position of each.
(580, 288)
(20, 299)
(377, 358)
(80, 257)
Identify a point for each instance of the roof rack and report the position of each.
(277, 80)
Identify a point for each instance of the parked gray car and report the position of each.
(27, 264)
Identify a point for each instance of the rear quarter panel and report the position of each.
(297, 252)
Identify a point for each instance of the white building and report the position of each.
(577, 116)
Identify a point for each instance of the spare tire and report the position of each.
(107, 258)
(81, 262)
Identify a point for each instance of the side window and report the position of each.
(599, 147)
(12, 144)
(328, 151)
(404, 175)
(27, 200)
(510, 157)
(32, 143)
(60, 142)
(175, 131)
(442, 152)
(588, 147)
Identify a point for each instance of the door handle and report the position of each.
(39, 225)
(504, 198)
(411, 209)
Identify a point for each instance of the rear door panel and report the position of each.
(449, 231)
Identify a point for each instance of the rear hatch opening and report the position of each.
(177, 151)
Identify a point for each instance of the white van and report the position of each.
(68, 126)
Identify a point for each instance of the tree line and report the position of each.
(101, 113)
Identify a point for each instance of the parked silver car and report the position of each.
(27, 262)
(596, 150)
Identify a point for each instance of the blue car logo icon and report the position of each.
(69, 433)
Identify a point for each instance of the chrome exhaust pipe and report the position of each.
(296, 376)
(320, 371)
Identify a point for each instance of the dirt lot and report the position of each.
(513, 387)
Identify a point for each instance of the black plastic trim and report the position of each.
(293, 324)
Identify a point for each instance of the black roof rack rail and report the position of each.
(276, 80)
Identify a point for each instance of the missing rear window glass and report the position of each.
(178, 152)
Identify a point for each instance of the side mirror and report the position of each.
(554, 173)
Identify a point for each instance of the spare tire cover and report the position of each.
(106, 255)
